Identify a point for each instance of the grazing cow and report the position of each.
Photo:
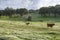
(27, 23)
(50, 25)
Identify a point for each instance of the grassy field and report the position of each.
(35, 18)
(18, 30)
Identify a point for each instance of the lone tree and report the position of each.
(29, 18)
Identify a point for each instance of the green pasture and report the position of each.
(35, 18)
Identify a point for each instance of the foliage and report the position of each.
(50, 11)
(22, 11)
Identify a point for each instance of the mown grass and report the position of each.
(18, 30)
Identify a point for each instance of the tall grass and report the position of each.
(18, 30)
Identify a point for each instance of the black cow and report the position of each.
(50, 25)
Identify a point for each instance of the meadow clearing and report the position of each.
(18, 30)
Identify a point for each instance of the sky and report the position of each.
(29, 4)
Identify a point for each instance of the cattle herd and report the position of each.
(48, 24)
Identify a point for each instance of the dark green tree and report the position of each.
(22, 11)
(9, 11)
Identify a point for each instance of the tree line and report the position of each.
(10, 11)
(50, 11)
(43, 11)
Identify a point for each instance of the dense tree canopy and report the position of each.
(22, 11)
(50, 11)
(43, 11)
